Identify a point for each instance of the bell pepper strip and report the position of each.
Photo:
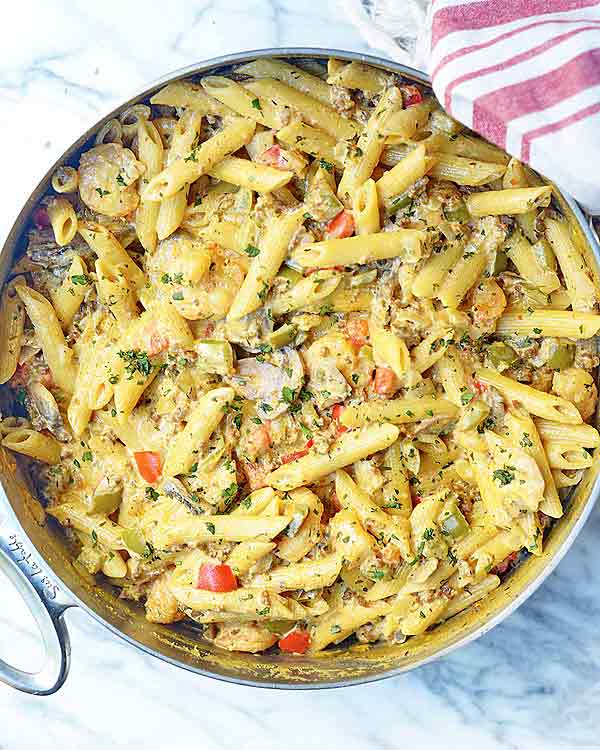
(289, 457)
(340, 227)
(479, 387)
(327, 268)
(296, 642)
(336, 413)
(149, 465)
(216, 578)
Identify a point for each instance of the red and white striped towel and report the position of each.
(525, 74)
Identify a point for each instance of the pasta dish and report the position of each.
(299, 358)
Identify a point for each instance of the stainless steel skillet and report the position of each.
(35, 555)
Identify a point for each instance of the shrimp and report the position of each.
(200, 278)
(161, 605)
(578, 387)
(107, 177)
(249, 637)
(488, 303)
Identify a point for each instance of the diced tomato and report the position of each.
(275, 157)
(340, 226)
(149, 465)
(506, 563)
(417, 499)
(411, 95)
(479, 387)
(296, 642)
(216, 578)
(357, 330)
(336, 413)
(385, 383)
(41, 218)
(289, 457)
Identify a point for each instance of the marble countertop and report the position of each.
(534, 682)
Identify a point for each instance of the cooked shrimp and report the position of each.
(107, 177)
(161, 605)
(249, 637)
(578, 387)
(488, 303)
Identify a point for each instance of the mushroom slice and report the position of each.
(264, 379)
(107, 177)
(176, 489)
(46, 411)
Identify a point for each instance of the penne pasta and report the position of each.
(12, 318)
(512, 201)
(405, 243)
(348, 449)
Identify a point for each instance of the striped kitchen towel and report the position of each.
(525, 74)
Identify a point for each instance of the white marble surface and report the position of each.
(534, 682)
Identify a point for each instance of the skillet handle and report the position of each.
(46, 602)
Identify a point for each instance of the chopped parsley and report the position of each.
(287, 394)
(466, 397)
(262, 295)
(504, 476)
(87, 456)
(256, 103)
(101, 192)
(229, 493)
(80, 279)
(326, 165)
(136, 361)
(151, 494)
(252, 251)
(210, 527)
(526, 441)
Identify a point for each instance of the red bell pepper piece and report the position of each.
(149, 465)
(216, 578)
(296, 642)
(340, 226)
